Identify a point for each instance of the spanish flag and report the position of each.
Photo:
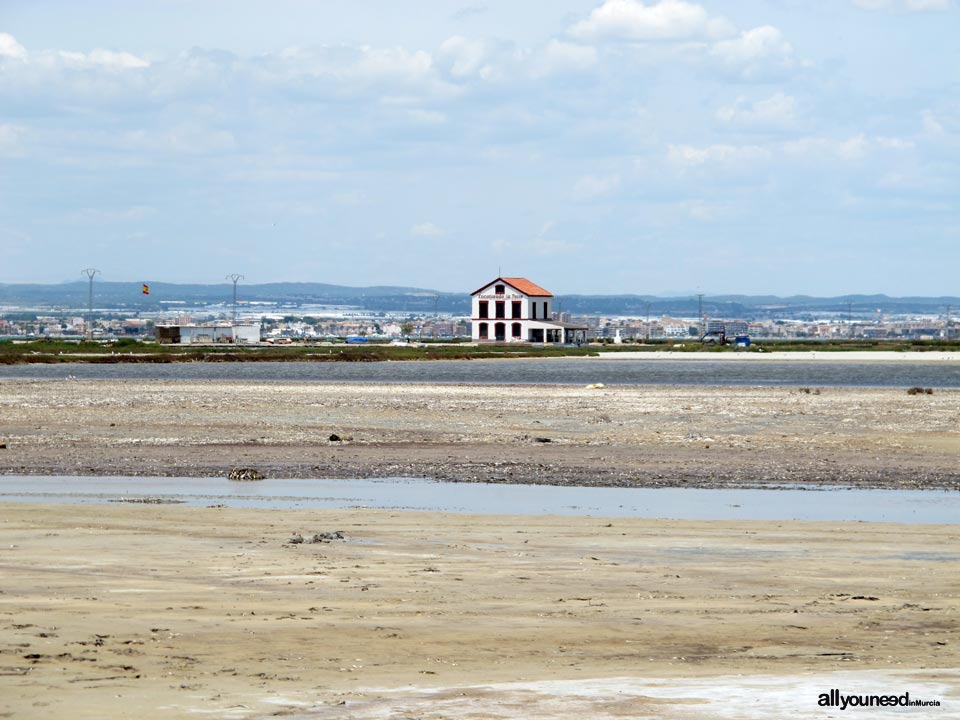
(146, 289)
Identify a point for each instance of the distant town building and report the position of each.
(211, 333)
(518, 310)
(674, 328)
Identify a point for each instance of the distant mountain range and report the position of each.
(128, 296)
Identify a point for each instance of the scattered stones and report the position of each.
(246, 474)
(321, 537)
(327, 536)
(595, 386)
(542, 439)
(334, 438)
(919, 391)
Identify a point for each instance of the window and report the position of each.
(499, 289)
(483, 331)
(515, 330)
(546, 315)
(501, 309)
(484, 311)
(534, 306)
(515, 310)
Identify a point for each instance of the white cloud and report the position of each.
(426, 230)
(349, 198)
(632, 20)
(10, 138)
(755, 52)
(469, 11)
(186, 138)
(689, 156)
(908, 5)
(894, 143)
(811, 148)
(419, 116)
(931, 124)
(543, 245)
(107, 59)
(395, 63)
(777, 111)
(97, 216)
(325, 67)
(589, 187)
(706, 212)
(563, 57)
(9, 47)
(499, 246)
(694, 36)
(853, 148)
(924, 5)
(463, 58)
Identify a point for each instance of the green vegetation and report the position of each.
(132, 350)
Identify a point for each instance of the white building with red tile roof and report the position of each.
(514, 309)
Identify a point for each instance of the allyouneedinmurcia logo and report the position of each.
(836, 699)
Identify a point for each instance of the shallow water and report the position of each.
(848, 504)
(573, 371)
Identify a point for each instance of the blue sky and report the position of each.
(746, 146)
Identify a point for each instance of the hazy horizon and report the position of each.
(752, 147)
(677, 295)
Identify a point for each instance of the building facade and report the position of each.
(518, 310)
(187, 334)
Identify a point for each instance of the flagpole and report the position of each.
(145, 290)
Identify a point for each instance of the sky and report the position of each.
(594, 146)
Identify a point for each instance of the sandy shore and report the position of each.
(619, 436)
(156, 612)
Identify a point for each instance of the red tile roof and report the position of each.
(522, 285)
(527, 287)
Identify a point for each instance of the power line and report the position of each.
(235, 277)
(701, 325)
(90, 272)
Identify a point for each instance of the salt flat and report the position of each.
(189, 611)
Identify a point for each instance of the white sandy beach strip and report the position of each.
(857, 356)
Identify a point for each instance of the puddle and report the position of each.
(829, 505)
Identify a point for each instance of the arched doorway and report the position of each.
(500, 332)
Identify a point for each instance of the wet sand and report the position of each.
(649, 436)
(156, 612)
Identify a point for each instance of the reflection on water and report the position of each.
(908, 506)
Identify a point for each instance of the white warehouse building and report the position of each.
(239, 334)
(517, 310)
